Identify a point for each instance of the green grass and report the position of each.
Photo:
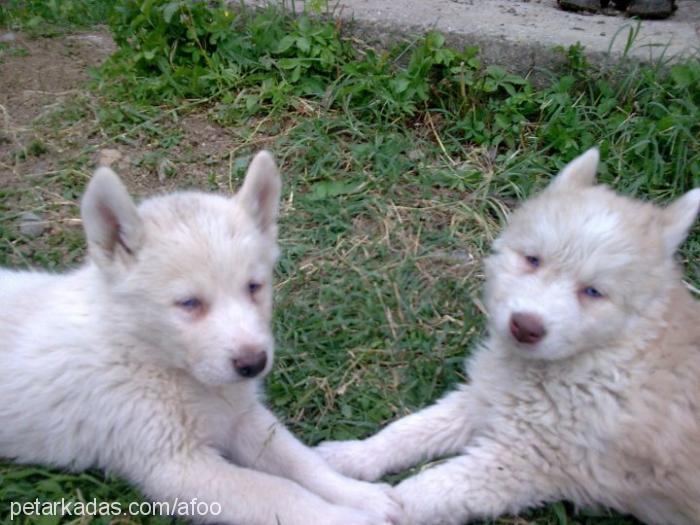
(52, 17)
(399, 169)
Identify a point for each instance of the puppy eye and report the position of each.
(191, 304)
(533, 261)
(253, 287)
(592, 292)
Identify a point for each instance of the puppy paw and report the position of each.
(352, 458)
(378, 499)
(426, 500)
(348, 516)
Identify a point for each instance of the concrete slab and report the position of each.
(521, 34)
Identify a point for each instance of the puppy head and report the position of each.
(190, 273)
(579, 267)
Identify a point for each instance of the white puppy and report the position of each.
(588, 386)
(144, 361)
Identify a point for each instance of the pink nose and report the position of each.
(250, 364)
(527, 328)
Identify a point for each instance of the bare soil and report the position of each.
(37, 76)
(49, 120)
(52, 138)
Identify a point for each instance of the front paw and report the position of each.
(426, 500)
(376, 498)
(352, 458)
(379, 498)
(348, 516)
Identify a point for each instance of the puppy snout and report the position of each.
(527, 328)
(250, 363)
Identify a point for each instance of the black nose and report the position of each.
(250, 365)
(527, 328)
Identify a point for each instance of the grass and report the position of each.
(399, 169)
(52, 17)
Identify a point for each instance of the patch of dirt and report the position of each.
(51, 139)
(43, 78)
(37, 76)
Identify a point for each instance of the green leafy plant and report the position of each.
(170, 50)
(49, 17)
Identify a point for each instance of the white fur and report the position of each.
(109, 366)
(604, 410)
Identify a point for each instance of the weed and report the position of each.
(52, 17)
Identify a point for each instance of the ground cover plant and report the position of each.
(399, 168)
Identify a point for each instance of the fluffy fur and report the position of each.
(142, 361)
(595, 398)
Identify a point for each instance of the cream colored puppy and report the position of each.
(588, 385)
(146, 360)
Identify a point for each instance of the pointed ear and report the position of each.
(260, 193)
(112, 224)
(678, 218)
(580, 172)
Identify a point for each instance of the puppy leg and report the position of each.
(441, 429)
(489, 480)
(237, 495)
(263, 443)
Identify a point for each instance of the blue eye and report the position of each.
(190, 304)
(592, 292)
(533, 261)
(253, 287)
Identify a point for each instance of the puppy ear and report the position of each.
(580, 172)
(678, 218)
(110, 219)
(260, 193)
